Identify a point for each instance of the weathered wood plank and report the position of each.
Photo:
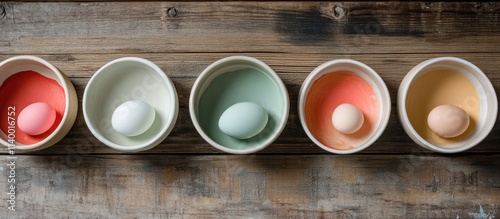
(281, 27)
(409, 186)
(184, 177)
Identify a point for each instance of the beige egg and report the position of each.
(347, 118)
(448, 121)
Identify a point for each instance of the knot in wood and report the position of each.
(2, 11)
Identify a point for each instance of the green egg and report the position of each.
(243, 120)
(232, 87)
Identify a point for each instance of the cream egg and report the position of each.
(243, 120)
(133, 118)
(36, 118)
(448, 121)
(347, 118)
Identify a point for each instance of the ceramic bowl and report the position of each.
(326, 87)
(485, 104)
(126, 79)
(232, 80)
(44, 81)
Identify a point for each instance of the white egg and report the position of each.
(347, 118)
(243, 120)
(133, 118)
(448, 121)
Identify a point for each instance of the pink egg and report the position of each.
(36, 118)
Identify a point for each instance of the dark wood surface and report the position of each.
(258, 186)
(184, 177)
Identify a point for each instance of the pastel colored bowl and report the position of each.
(315, 114)
(17, 64)
(488, 104)
(127, 79)
(232, 80)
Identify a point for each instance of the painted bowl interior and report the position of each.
(239, 80)
(486, 101)
(328, 75)
(66, 102)
(130, 79)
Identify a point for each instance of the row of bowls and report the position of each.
(131, 79)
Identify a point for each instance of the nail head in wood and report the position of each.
(338, 12)
(172, 12)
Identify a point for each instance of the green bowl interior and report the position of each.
(235, 84)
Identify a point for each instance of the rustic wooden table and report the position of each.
(184, 177)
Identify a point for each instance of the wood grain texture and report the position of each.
(184, 177)
(278, 27)
(261, 186)
(199, 35)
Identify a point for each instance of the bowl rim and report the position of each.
(63, 83)
(403, 93)
(384, 95)
(171, 119)
(200, 81)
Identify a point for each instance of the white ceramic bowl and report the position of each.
(488, 103)
(206, 107)
(127, 79)
(367, 74)
(18, 64)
